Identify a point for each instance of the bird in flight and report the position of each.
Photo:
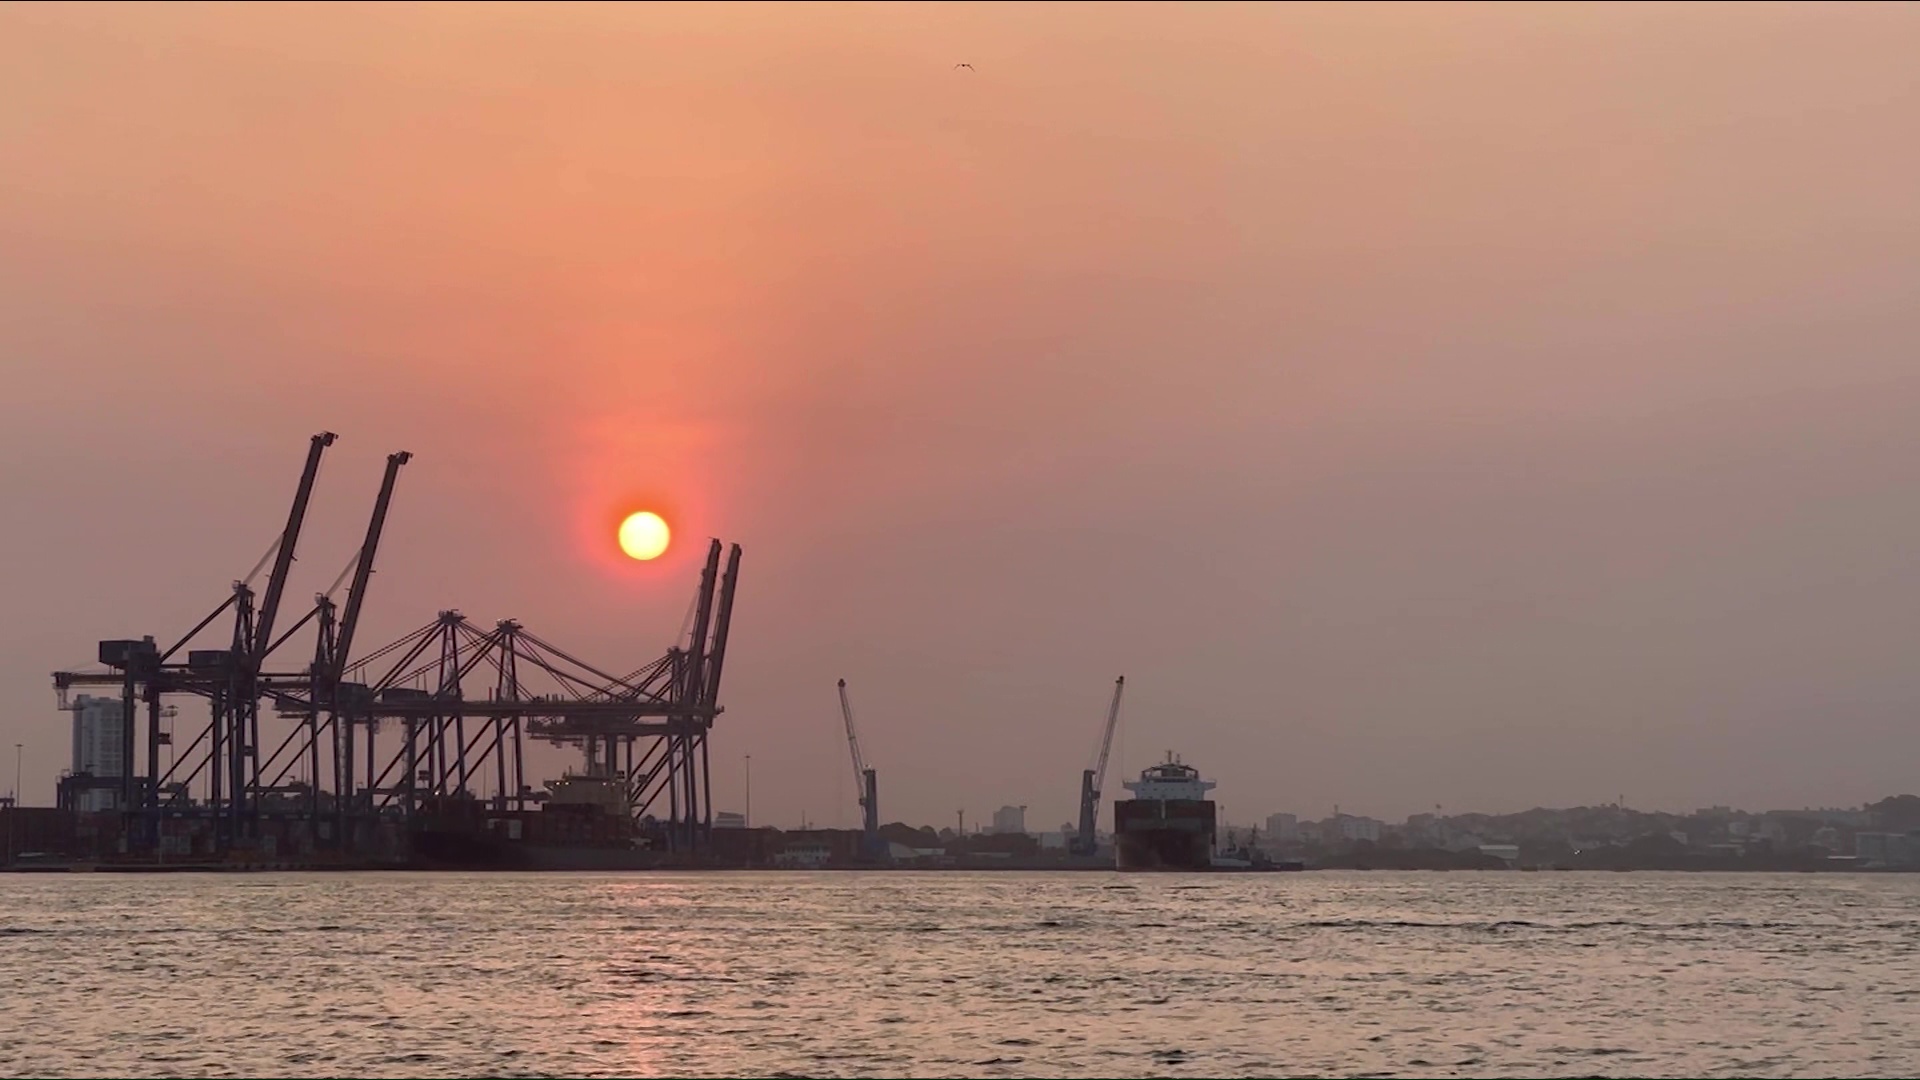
(957, 67)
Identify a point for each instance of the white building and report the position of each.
(1506, 853)
(98, 724)
(804, 855)
(1010, 819)
(1885, 849)
(727, 819)
(1358, 828)
(1283, 828)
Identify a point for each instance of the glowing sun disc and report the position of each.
(644, 535)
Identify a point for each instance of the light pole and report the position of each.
(169, 712)
(749, 813)
(13, 803)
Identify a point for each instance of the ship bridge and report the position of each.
(1171, 780)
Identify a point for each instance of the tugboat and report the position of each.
(1169, 822)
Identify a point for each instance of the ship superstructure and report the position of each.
(1169, 822)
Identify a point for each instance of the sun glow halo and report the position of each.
(644, 535)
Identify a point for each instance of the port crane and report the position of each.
(659, 716)
(1092, 779)
(332, 648)
(868, 785)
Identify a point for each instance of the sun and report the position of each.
(644, 535)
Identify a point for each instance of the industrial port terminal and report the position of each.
(412, 754)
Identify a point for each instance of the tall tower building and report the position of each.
(97, 749)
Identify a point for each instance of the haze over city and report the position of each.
(1483, 405)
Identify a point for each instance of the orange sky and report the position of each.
(1419, 403)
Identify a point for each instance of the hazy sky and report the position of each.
(1484, 406)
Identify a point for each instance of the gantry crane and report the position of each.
(236, 734)
(667, 706)
(334, 646)
(868, 785)
(1092, 779)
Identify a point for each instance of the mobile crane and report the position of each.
(871, 846)
(1091, 779)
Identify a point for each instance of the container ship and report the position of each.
(1168, 824)
(583, 823)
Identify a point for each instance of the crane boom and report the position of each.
(1106, 737)
(853, 742)
(289, 537)
(1092, 780)
(722, 626)
(363, 567)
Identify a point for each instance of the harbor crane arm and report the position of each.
(363, 569)
(283, 557)
(1106, 737)
(1095, 778)
(723, 622)
(853, 743)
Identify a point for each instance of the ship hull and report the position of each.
(543, 840)
(456, 851)
(1163, 834)
(437, 849)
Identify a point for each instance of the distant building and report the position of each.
(1010, 819)
(1350, 828)
(1283, 828)
(1423, 830)
(727, 819)
(1506, 853)
(98, 727)
(806, 855)
(1886, 849)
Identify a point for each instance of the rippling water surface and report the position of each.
(1092, 975)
